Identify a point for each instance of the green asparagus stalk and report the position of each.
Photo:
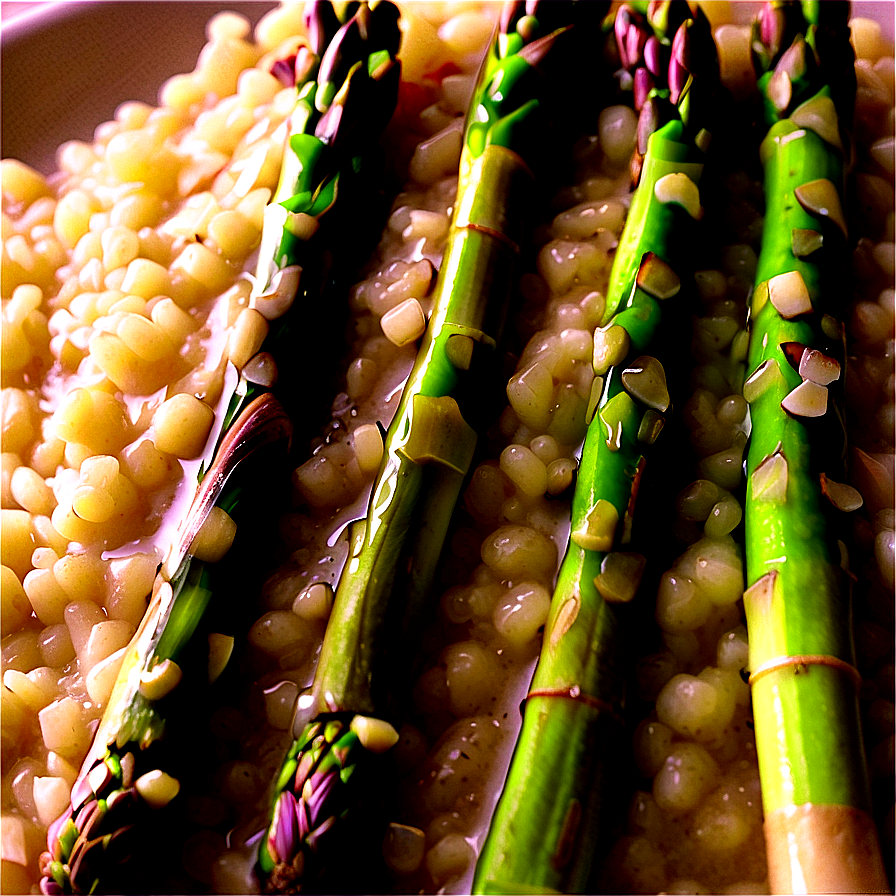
(346, 717)
(546, 828)
(819, 832)
(346, 93)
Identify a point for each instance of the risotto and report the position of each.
(127, 308)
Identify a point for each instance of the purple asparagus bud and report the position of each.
(321, 23)
(795, 60)
(284, 71)
(772, 27)
(666, 16)
(511, 13)
(680, 64)
(648, 122)
(284, 833)
(655, 55)
(304, 64)
(635, 40)
(624, 20)
(534, 53)
(643, 84)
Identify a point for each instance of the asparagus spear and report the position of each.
(338, 117)
(345, 718)
(347, 88)
(126, 773)
(819, 832)
(545, 830)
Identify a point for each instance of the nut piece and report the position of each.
(819, 367)
(646, 381)
(375, 735)
(220, 648)
(679, 188)
(844, 497)
(656, 278)
(160, 680)
(807, 400)
(246, 337)
(820, 197)
(262, 370)
(611, 345)
(301, 225)
(789, 294)
(819, 115)
(278, 299)
(804, 243)
(157, 788)
(620, 575)
(598, 529)
(651, 426)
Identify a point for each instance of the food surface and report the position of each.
(135, 314)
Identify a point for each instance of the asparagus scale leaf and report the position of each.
(345, 718)
(819, 832)
(346, 92)
(545, 831)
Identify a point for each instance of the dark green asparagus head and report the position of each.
(339, 111)
(314, 793)
(536, 39)
(347, 77)
(799, 49)
(668, 60)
